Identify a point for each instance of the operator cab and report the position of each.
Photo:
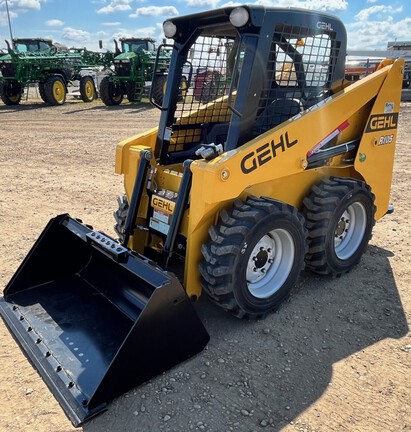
(32, 45)
(260, 67)
(137, 45)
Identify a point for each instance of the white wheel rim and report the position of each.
(270, 263)
(350, 231)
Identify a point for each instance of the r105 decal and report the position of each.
(386, 139)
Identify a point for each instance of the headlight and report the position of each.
(169, 29)
(239, 17)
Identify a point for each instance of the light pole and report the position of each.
(8, 17)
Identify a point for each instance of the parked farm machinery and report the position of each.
(135, 67)
(50, 65)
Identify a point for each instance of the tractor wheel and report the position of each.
(339, 215)
(11, 92)
(55, 90)
(110, 93)
(159, 90)
(87, 89)
(42, 92)
(254, 256)
(120, 216)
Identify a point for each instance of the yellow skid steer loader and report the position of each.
(267, 162)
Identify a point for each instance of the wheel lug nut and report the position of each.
(270, 261)
(269, 250)
(255, 269)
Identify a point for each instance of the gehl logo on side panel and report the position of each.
(265, 153)
(382, 122)
(163, 204)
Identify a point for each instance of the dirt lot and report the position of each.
(336, 357)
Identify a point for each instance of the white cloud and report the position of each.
(26, 4)
(4, 20)
(368, 35)
(150, 11)
(141, 32)
(230, 4)
(17, 6)
(320, 5)
(209, 4)
(111, 24)
(116, 6)
(54, 23)
(110, 9)
(380, 10)
(75, 35)
(375, 25)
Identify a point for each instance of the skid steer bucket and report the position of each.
(95, 318)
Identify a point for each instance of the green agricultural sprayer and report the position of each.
(51, 66)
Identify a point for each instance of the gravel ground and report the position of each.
(335, 357)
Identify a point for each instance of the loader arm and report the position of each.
(275, 164)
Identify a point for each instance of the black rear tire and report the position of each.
(11, 92)
(254, 257)
(340, 216)
(159, 89)
(42, 92)
(110, 93)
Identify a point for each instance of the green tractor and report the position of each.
(135, 67)
(52, 66)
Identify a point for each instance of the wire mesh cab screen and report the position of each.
(299, 69)
(204, 102)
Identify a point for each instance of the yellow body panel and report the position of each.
(275, 163)
(375, 159)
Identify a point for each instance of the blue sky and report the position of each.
(82, 23)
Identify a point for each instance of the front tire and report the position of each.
(110, 93)
(11, 92)
(160, 82)
(87, 89)
(55, 90)
(254, 257)
(340, 216)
